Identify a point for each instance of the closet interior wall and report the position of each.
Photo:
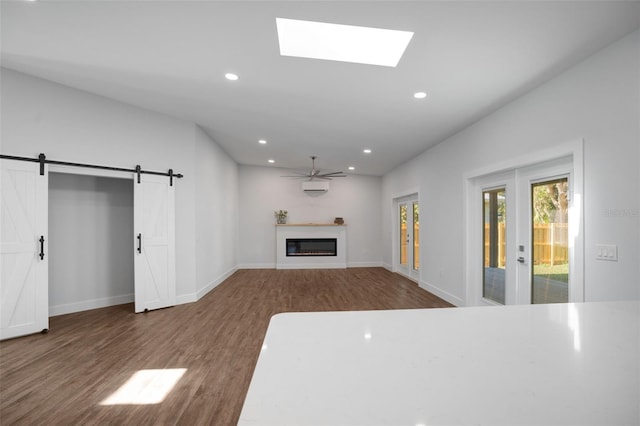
(91, 251)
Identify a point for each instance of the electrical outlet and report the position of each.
(607, 252)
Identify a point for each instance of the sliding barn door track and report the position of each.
(42, 159)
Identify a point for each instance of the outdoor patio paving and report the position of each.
(546, 290)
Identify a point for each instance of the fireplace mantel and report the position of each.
(311, 231)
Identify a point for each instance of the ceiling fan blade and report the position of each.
(315, 173)
(301, 175)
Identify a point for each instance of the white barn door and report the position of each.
(154, 226)
(24, 293)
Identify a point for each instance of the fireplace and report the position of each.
(312, 246)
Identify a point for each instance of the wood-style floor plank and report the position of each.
(62, 377)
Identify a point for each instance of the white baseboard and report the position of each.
(85, 305)
(415, 280)
(181, 299)
(387, 267)
(257, 266)
(314, 266)
(213, 284)
(454, 300)
(364, 264)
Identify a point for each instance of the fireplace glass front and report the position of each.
(312, 247)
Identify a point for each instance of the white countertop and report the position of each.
(539, 365)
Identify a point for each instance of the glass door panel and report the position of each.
(494, 244)
(404, 234)
(550, 242)
(407, 256)
(416, 236)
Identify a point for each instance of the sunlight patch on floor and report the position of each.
(146, 387)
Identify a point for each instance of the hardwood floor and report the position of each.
(62, 377)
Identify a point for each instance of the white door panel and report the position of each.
(494, 283)
(154, 224)
(23, 273)
(556, 290)
(407, 240)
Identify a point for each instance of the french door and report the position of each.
(24, 257)
(496, 213)
(154, 228)
(408, 237)
(543, 258)
(525, 245)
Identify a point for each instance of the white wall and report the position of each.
(262, 191)
(90, 250)
(216, 214)
(72, 125)
(598, 100)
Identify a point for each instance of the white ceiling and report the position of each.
(471, 57)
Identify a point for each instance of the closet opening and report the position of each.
(91, 253)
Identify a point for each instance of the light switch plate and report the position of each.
(607, 252)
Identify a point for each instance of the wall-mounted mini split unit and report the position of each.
(315, 186)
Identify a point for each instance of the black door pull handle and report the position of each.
(41, 247)
(139, 243)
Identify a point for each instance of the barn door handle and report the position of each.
(139, 243)
(41, 247)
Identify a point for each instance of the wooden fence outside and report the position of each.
(549, 244)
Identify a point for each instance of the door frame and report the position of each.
(118, 175)
(405, 197)
(91, 303)
(473, 236)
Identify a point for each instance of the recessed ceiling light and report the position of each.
(262, 142)
(346, 43)
(272, 161)
(420, 95)
(231, 76)
(351, 168)
(366, 151)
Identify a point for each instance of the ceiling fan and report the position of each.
(316, 174)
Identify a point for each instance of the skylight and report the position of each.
(346, 43)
